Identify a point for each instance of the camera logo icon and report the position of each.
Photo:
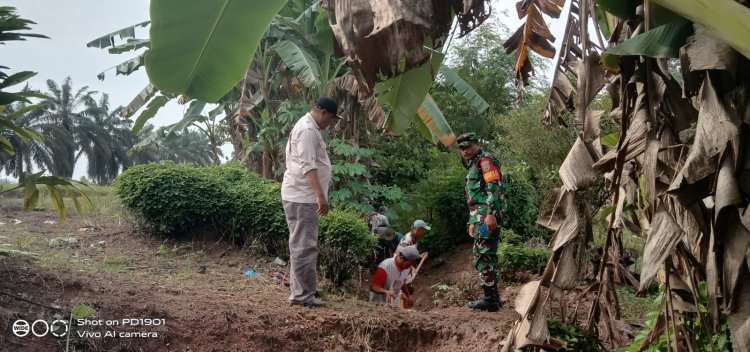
(21, 328)
(41, 328)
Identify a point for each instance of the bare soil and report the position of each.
(199, 290)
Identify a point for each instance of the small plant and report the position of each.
(576, 338)
(79, 311)
(457, 293)
(441, 290)
(187, 271)
(162, 251)
(516, 257)
(351, 177)
(704, 341)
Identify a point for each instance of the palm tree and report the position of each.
(64, 109)
(102, 136)
(141, 154)
(29, 154)
(189, 146)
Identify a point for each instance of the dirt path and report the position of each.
(205, 301)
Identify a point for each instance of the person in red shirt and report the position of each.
(388, 281)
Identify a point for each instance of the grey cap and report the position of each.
(410, 253)
(420, 224)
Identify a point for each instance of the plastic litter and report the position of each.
(279, 261)
(250, 273)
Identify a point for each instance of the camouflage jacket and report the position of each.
(484, 189)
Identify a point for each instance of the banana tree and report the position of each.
(185, 74)
(676, 173)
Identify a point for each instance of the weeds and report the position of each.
(116, 264)
(455, 293)
(25, 242)
(188, 272)
(634, 308)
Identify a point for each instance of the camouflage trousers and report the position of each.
(485, 256)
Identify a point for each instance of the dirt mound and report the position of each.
(202, 300)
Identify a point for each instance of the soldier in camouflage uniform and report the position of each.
(487, 207)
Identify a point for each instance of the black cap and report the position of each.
(467, 139)
(328, 104)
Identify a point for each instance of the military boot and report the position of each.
(490, 302)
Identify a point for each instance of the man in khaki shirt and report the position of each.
(304, 193)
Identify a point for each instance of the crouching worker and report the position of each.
(387, 284)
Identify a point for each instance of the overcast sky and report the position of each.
(73, 23)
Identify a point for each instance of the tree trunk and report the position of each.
(267, 166)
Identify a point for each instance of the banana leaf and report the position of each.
(303, 63)
(153, 107)
(727, 19)
(431, 117)
(661, 42)
(465, 89)
(139, 101)
(203, 48)
(108, 40)
(404, 94)
(624, 9)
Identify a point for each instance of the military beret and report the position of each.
(467, 139)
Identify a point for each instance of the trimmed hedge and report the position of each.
(175, 199)
(345, 243)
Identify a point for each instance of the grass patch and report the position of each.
(56, 260)
(116, 264)
(633, 308)
(188, 272)
(26, 243)
(103, 201)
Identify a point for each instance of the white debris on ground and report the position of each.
(63, 241)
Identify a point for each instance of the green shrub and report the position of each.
(345, 243)
(175, 199)
(440, 200)
(576, 339)
(254, 211)
(523, 201)
(509, 236)
(702, 338)
(515, 257)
